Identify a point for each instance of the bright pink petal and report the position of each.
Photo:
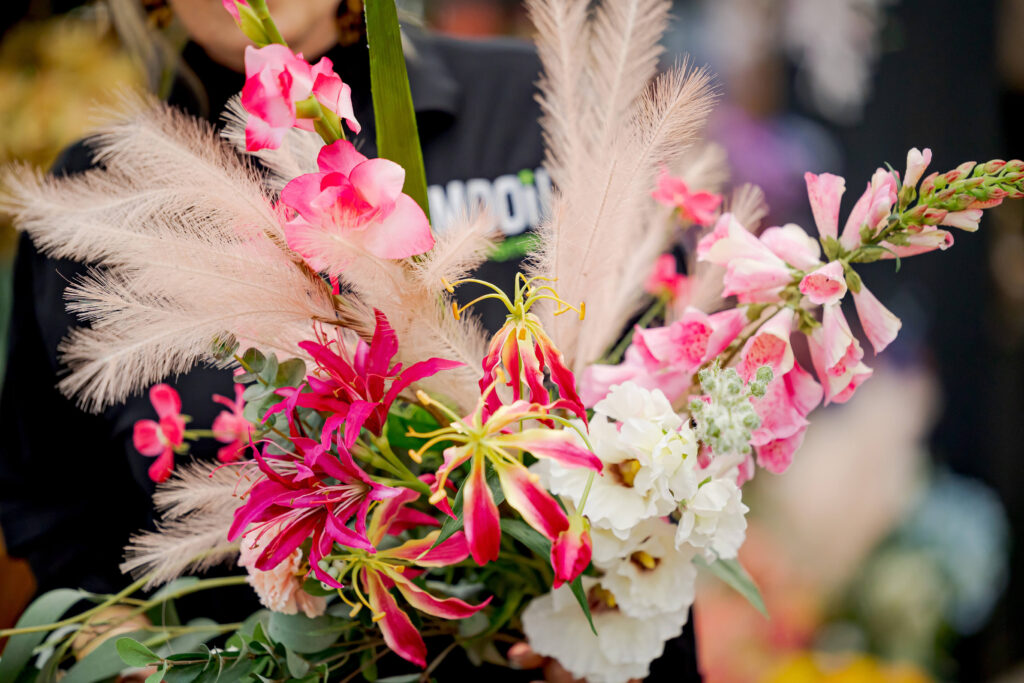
(535, 504)
(837, 337)
(448, 608)
(804, 391)
(793, 245)
(422, 552)
(726, 325)
(300, 192)
(339, 157)
(825, 192)
(379, 181)
(826, 285)
(405, 232)
(770, 346)
(571, 552)
(165, 400)
(879, 323)
(480, 514)
(232, 8)
(872, 207)
(777, 455)
(396, 627)
(146, 438)
(558, 445)
(743, 276)
(161, 469)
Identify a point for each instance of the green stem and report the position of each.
(646, 319)
(410, 479)
(113, 599)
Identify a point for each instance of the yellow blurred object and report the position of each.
(828, 668)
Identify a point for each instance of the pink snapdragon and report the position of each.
(665, 280)
(694, 207)
(275, 80)
(230, 426)
(353, 206)
(826, 285)
(355, 392)
(159, 439)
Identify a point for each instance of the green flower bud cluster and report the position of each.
(725, 418)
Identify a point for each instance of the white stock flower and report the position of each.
(623, 648)
(651, 576)
(714, 519)
(649, 455)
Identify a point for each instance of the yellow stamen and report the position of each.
(627, 471)
(415, 456)
(377, 617)
(644, 559)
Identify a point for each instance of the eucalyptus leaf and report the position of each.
(134, 653)
(47, 608)
(302, 634)
(733, 573)
(158, 675)
(297, 666)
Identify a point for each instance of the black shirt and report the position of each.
(72, 486)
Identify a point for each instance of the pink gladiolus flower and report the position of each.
(389, 569)
(837, 355)
(825, 192)
(917, 162)
(232, 7)
(159, 439)
(231, 427)
(354, 205)
(571, 551)
(280, 589)
(872, 209)
(965, 220)
(695, 207)
(308, 494)
(880, 324)
(484, 440)
(826, 285)
(275, 79)
(666, 281)
(356, 392)
(792, 244)
(770, 346)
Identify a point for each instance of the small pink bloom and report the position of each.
(354, 205)
(928, 239)
(666, 281)
(770, 346)
(636, 367)
(159, 439)
(792, 244)
(826, 285)
(825, 191)
(917, 162)
(965, 220)
(879, 323)
(837, 355)
(755, 281)
(777, 455)
(695, 207)
(753, 271)
(280, 588)
(232, 7)
(872, 209)
(231, 427)
(783, 411)
(692, 340)
(571, 551)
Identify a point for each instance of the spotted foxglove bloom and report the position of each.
(826, 285)
(651, 576)
(825, 191)
(694, 207)
(783, 410)
(837, 355)
(275, 80)
(353, 206)
(770, 346)
(714, 520)
(623, 648)
(871, 210)
(879, 323)
(753, 272)
(159, 439)
(792, 244)
(648, 460)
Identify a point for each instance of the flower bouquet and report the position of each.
(392, 475)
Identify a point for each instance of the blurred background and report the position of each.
(891, 550)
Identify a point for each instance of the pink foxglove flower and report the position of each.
(826, 285)
(929, 238)
(965, 220)
(279, 589)
(356, 392)
(837, 355)
(917, 162)
(871, 210)
(487, 440)
(694, 207)
(353, 206)
(783, 411)
(792, 244)
(571, 551)
(159, 439)
(753, 272)
(666, 281)
(275, 80)
(308, 494)
(230, 426)
(880, 324)
(825, 192)
(770, 346)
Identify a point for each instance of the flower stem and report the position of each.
(646, 319)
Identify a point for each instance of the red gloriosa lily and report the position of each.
(159, 439)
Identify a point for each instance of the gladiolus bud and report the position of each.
(571, 551)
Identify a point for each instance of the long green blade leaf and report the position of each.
(397, 136)
(733, 573)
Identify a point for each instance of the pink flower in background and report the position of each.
(280, 588)
(231, 427)
(159, 439)
(826, 285)
(825, 192)
(879, 323)
(354, 205)
(666, 281)
(872, 209)
(695, 207)
(275, 79)
(770, 346)
(917, 162)
(571, 551)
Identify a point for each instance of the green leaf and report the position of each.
(297, 666)
(397, 136)
(733, 573)
(290, 373)
(269, 372)
(253, 360)
(102, 663)
(368, 663)
(452, 525)
(158, 675)
(134, 653)
(831, 247)
(184, 674)
(189, 642)
(581, 597)
(47, 608)
(852, 278)
(302, 634)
